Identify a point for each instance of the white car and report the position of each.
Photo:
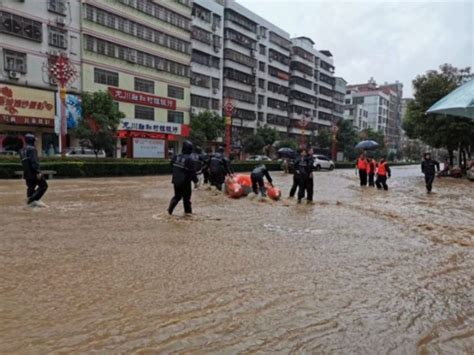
(81, 152)
(258, 158)
(321, 162)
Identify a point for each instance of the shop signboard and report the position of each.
(133, 124)
(142, 99)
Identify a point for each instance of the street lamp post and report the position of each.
(229, 108)
(61, 69)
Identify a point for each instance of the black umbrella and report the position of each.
(367, 145)
(286, 152)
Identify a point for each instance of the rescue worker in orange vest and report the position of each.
(371, 166)
(362, 167)
(383, 172)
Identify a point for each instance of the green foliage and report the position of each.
(206, 128)
(253, 144)
(347, 138)
(324, 139)
(438, 131)
(268, 134)
(98, 127)
(117, 167)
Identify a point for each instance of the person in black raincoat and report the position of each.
(183, 174)
(429, 167)
(219, 168)
(35, 181)
(306, 186)
(296, 172)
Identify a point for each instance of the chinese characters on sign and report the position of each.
(129, 124)
(142, 99)
(26, 121)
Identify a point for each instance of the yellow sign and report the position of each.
(17, 101)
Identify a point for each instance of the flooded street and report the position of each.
(362, 271)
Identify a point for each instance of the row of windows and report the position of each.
(280, 41)
(230, 34)
(302, 68)
(240, 20)
(204, 81)
(205, 59)
(148, 113)
(278, 73)
(135, 29)
(301, 82)
(240, 58)
(33, 30)
(297, 95)
(327, 66)
(201, 35)
(281, 58)
(280, 89)
(327, 79)
(204, 102)
(239, 95)
(325, 91)
(244, 114)
(150, 8)
(303, 54)
(279, 105)
(325, 104)
(131, 55)
(277, 120)
(205, 15)
(239, 76)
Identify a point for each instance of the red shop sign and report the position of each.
(26, 121)
(142, 99)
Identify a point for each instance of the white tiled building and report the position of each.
(207, 56)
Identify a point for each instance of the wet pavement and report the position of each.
(362, 271)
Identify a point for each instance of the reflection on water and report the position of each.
(363, 271)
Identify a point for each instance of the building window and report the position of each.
(261, 83)
(260, 116)
(199, 101)
(20, 26)
(261, 66)
(57, 37)
(57, 6)
(201, 13)
(145, 113)
(200, 80)
(175, 117)
(215, 104)
(261, 100)
(14, 61)
(201, 35)
(144, 85)
(262, 49)
(176, 92)
(106, 77)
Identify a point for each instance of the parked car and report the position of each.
(81, 152)
(258, 158)
(321, 162)
(9, 153)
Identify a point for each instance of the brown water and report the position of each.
(362, 271)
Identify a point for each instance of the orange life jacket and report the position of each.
(361, 164)
(371, 167)
(382, 170)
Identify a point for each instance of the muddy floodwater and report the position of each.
(362, 271)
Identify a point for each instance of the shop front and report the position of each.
(26, 110)
(149, 139)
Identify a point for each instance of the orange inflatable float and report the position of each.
(241, 185)
(273, 192)
(234, 189)
(245, 181)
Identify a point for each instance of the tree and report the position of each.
(253, 144)
(438, 131)
(268, 134)
(347, 139)
(206, 128)
(323, 139)
(98, 127)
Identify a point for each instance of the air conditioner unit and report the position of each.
(60, 21)
(13, 75)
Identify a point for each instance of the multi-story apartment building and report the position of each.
(140, 52)
(374, 100)
(339, 96)
(357, 115)
(311, 88)
(207, 56)
(395, 90)
(256, 71)
(32, 35)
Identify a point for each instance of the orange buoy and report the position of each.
(245, 181)
(235, 190)
(273, 192)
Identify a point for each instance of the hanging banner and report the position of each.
(142, 99)
(148, 148)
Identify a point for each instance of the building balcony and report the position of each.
(302, 103)
(325, 97)
(302, 89)
(242, 30)
(297, 58)
(295, 72)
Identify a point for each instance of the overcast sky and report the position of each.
(387, 40)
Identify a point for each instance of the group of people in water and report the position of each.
(215, 167)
